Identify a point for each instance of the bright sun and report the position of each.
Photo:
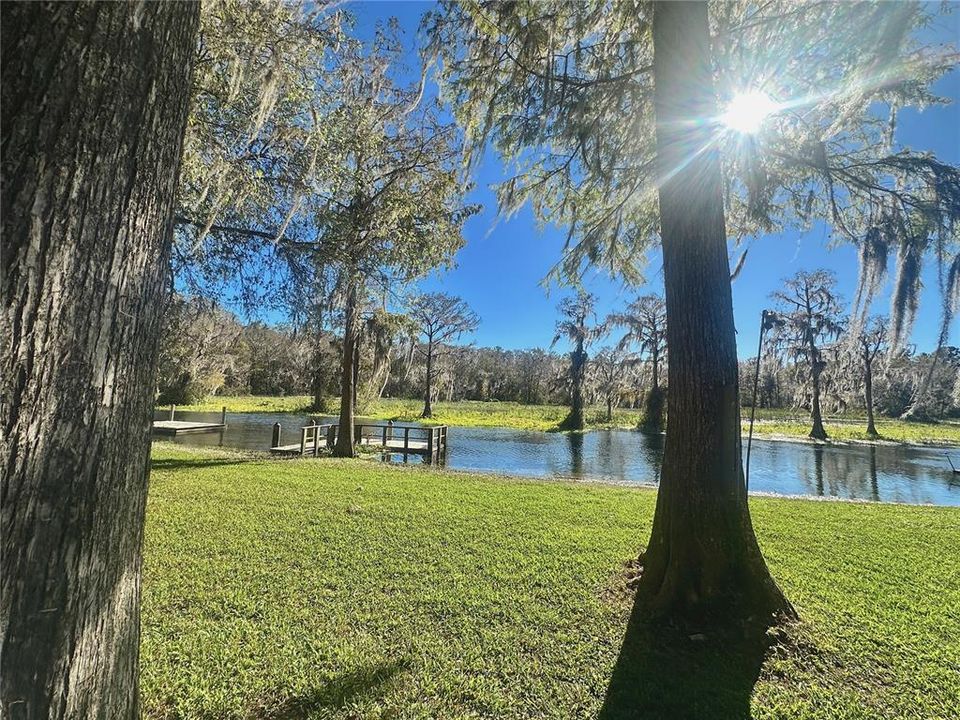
(747, 111)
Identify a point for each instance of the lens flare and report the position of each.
(747, 111)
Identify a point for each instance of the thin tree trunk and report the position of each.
(357, 343)
(94, 107)
(702, 564)
(427, 408)
(817, 431)
(345, 445)
(868, 396)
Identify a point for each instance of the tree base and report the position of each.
(343, 451)
(573, 421)
(653, 407)
(710, 596)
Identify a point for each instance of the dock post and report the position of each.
(384, 435)
(316, 440)
(223, 416)
(406, 442)
(303, 440)
(275, 441)
(430, 445)
(173, 409)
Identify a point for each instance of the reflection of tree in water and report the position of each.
(576, 453)
(855, 472)
(818, 467)
(651, 445)
(613, 453)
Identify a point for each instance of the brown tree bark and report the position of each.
(345, 442)
(702, 564)
(427, 406)
(868, 393)
(578, 370)
(94, 107)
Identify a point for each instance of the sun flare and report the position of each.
(747, 110)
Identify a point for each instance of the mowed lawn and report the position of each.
(350, 589)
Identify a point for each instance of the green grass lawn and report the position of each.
(464, 413)
(350, 589)
(900, 431)
(468, 413)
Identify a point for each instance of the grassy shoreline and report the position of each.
(770, 423)
(339, 589)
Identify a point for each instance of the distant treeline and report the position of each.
(206, 350)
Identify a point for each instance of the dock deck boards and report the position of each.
(418, 447)
(184, 427)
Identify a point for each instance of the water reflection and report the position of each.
(576, 453)
(886, 473)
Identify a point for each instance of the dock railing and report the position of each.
(429, 441)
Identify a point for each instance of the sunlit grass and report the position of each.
(466, 413)
(338, 589)
(890, 431)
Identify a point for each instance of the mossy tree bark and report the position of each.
(345, 441)
(94, 107)
(578, 374)
(702, 562)
(868, 393)
(817, 431)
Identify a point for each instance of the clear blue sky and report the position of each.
(499, 272)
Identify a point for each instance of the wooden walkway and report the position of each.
(182, 427)
(429, 442)
(186, 427)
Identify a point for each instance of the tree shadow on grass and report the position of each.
(194, 463)
(662, 674)
(336, 693)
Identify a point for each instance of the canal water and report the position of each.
(895, 473)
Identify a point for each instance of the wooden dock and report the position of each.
(429, 442)
(171, 427)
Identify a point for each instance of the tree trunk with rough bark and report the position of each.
(94, 107)
(868, 394)
(817, 432)
(427, 407)
(702, 565)
(345, 442)
(578, 368)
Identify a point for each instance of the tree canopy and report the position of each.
(565, 92)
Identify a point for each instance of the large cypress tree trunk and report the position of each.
(94, 106)
(578, 367)
(344, 446)
(817, 431)
(702, 562)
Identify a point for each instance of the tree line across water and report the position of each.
(618, 360)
